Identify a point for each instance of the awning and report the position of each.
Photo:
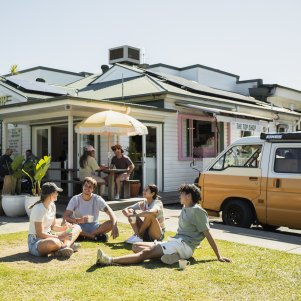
(221, 112)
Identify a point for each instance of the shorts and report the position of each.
(146, 236)
(124, 176)
(89, 227)
(176, 245)
(33, 242)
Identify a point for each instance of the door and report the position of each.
(41, 143)
(236, 174)
(148, 168)
(284, 186)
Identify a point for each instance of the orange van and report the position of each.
(256, 180)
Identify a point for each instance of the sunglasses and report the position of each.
(113, 149)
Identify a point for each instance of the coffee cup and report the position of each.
(183, 264)
(90, 218)
(133, 219)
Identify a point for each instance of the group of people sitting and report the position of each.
(81, 220)
(88, 166)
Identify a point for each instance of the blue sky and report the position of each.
(253, 39)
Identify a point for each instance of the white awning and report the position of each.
(221, 112)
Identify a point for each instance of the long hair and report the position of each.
(154, 189)
(83, 159)
(43, 198)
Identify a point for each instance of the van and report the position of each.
(256, 180)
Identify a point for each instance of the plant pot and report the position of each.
(135, 188)
(30, 200)
(13, 205)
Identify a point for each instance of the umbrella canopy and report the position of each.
(110, 122)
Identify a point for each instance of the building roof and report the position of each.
(84, 82)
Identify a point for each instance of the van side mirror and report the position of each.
(193, 162)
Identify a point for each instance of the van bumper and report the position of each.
(212, 212)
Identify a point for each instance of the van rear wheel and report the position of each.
(238, 213)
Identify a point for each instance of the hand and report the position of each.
(224, 259)
(65, 236)
(115, 231)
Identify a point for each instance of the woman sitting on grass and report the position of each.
(41, 241)
(153, 226)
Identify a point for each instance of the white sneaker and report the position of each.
(117, 197)
(75, 246)
(170, 258)
(102, 258)
(135, 239)
(130, 238)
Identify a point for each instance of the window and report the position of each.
(287, 160)
(239, 156)
(197, 137)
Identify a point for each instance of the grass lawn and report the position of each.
(257, 274)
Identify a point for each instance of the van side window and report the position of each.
(287, 160)
(239, 156)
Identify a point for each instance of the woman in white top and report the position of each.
(88, 166)
(41, 241)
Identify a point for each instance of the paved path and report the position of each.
(289, 242)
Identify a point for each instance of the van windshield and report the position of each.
(239, 156)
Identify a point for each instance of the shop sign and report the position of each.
(246, 126)
(14, 141)
(4, 99)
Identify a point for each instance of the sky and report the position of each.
(252, 39)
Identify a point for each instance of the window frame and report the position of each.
(181, 156)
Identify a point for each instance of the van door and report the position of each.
(284, 186)
(236, 174)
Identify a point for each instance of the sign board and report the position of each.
(14, 141)
(242, 126)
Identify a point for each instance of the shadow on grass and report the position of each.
(25, 256)
(152, 264)
(119, 245)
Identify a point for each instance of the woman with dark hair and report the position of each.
(88, 166)
(41, 241)
(153, 226)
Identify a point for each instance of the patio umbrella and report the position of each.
(111, 122)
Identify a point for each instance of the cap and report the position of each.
(117, 146)
(50, 187)
(89, 148)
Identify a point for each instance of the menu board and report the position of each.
(14, 141)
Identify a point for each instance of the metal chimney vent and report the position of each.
(125, 55)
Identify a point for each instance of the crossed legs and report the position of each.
(102, 229)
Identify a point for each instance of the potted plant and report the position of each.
(133, 155)
(13, 203)
(39, 169)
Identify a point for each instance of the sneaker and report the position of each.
(63, 252)
(135, 239)
(75, 246)
(117, 197)
(102, 258)
(130, 238)
(102, 237)
(170, 258)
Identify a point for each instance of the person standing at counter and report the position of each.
(88, 166)
(121, 161)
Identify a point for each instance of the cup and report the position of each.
(90, 218)
(133, 219)
(183, 264)
(69, 230)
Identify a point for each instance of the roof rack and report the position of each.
(281, 136)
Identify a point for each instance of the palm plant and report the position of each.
(40, 170)
(15, 171)
(13, 69)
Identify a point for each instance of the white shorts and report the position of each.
(176, 245)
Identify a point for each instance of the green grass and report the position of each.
(257, 274)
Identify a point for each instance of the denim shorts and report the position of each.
(89, 227)
(33, 242)
(146, 236)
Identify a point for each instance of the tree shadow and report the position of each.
(26, 256)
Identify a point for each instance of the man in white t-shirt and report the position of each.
(87, 204)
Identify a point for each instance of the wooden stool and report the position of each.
(127, 187)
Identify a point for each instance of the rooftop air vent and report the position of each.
(124, 55)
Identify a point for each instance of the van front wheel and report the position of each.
(238, 213)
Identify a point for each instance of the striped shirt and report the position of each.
(156, 204)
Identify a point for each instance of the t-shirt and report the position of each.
(39, 213)
(89, 169)
(5, 161)
(80, 207)
(156, 204)
(123, 163)
(193, 222)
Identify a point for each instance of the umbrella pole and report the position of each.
(109, 151)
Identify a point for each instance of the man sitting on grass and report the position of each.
(193, 228)
(87, 204)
